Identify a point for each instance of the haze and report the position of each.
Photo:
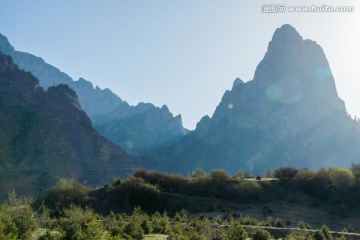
(184, 54)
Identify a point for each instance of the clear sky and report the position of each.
(184, 54)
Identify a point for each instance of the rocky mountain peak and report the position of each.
(288, 115)
(294, 69)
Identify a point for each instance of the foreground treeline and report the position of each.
(153, 202)
(19, 220)
(337, 186)
(156, 191)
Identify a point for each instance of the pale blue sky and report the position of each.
(184, 54)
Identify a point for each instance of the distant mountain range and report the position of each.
(45, 136)
(137, 129)
(288, 115)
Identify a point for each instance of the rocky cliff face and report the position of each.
(288, 115)
(46, 135)
(125, 127)
(111, 116)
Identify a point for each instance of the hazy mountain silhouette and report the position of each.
(288, 115)
(136, 129)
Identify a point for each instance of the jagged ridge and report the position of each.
(111, 116)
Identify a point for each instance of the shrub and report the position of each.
(318, 235)
(303, 225)
(355, 168)
(8, 230)
(341, 177)
(83, 225)
(65, 193)
(261, 234)
(295, 235)
(326, 232)
(17, 217)
(142, 194)
(133, 229)
(219, 175)
(161, 223)
(236, 232)
(116, 182)
(285, 173)
(198, 173)
(165, 181)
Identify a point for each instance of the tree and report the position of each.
(8, 231)
(17, 214)
(80, 224)
(236, 232)
(133, 229)
(326, 232)
(341, 177)
(303, 225)
(285, 173)
(261, 234)
(219, 175)
(161, 223)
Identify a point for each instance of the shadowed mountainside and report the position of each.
(45, 136)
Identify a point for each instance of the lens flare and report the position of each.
(322, 73)
(129, 143)
(274, 91)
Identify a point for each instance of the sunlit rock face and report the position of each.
(288, 115)
(137, 129)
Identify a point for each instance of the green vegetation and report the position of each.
(149, 205)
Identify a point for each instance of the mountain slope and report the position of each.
(288, 115)
(109, 114)
(46, 135)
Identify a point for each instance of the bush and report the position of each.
(133, 229)
(341, 177)
(219, 175)
(165, 181)
(17, 217)
(8, 230)
(236, 232)
(116, 182)
(82, 224)
(285, 173)
(303, 225)
(142, 194)
(198, 173)
(261, 234)
(326, 232)
(65, 193)
(318, 235)
(161, 223)
(299, 236)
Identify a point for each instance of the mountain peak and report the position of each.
(294, 69)
(285, 38)
(286, 31)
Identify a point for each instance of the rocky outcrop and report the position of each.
(45, 136)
